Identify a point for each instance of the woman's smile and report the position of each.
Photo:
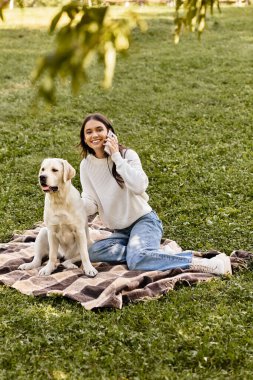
(96, 141)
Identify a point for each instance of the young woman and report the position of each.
(114, 185)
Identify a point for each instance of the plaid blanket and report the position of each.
(114, 285)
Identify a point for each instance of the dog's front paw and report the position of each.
(28, 266)
(47, 270)
(90, 271)
(69, 265)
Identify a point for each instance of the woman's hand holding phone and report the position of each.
(111, 145)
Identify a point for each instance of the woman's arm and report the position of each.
(87, 193)
(131, 171)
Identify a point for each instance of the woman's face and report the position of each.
(95, 134)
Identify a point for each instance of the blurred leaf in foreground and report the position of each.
(6, 3)
(3, 4)
(88, 34)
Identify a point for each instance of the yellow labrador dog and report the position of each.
(66, 233)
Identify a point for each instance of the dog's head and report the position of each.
(54, 173)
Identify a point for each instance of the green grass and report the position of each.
(187, 110)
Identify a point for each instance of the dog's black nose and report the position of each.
(43, 179)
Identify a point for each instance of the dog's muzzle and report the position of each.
(44, 185)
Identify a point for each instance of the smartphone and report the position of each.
(107, 149)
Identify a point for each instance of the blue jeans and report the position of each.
(139, 247)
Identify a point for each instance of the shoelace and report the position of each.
(204, 268)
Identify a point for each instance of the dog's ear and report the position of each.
(68, 171)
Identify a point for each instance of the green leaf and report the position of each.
(55, 21)
(110, 62)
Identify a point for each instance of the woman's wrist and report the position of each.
(116, 157)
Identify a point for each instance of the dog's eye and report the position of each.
(55, 170)
(42, 169)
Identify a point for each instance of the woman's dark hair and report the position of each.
(87, 150)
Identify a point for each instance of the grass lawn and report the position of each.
(187, 110)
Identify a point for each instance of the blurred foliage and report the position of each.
(5, 4)
(44, 3)
(90, 34)
(191, 15)
(33, 3)
(87, 35)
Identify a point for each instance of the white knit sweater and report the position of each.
(118, 207)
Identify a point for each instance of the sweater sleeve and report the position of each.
(87, 191)
(131, 171)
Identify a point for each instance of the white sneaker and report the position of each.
(167, 249)
(219, 264)
(226, 261)
(171, 247)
